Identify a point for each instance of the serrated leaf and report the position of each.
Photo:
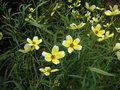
(100, 71)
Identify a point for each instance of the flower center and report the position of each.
(49, 70)
(96, 32)
(33, 43)
(72, 45)
(53, 57)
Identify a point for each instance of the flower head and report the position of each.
(117, 47)
(91, 8)
(56, 83)
(107, 25)
(88, 15)
(47, 70)
(55, 8)
(97, 30)
(31, 10)
(35, 42)
(106, 36)
(72, 44)
(113, 11)
(74, 26)
(118, 30)
(54, 56)
(27, 48)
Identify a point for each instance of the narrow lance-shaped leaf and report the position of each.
(100, 71)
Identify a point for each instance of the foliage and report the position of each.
(72, 38)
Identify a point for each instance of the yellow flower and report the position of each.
(72, 44)
(54, 56)
(97, 30)
(27, 48)
(75, 13)
(117, 47)
(35, 42)
(91, 8)
(107, 25)
(74, 26)
(47, 70)
(113, 11)
(31, 10)
(77, 3)
(1, 35)
(118, 30)
(118, 55)
(55, 8)
(106, 36)
(56, 83)
(87, 15)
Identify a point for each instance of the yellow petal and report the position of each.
(55, 61)
(108, 12)
(76, 41)
(29, 40)
(70, 50)
(98, 27)
(55, 50)
(42, 70)
(77, 47)
(69, 39)
(87, 5)
(27, 47)
(47, 73)
(60, 54)
(36, 47)
(35, 38)
(92, 7)
(64, 43)
(47, 56)
(54, 70)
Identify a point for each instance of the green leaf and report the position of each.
(100, 71)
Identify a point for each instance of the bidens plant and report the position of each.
(54, 56)
(71, 44)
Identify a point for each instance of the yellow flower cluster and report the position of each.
(31, 45)
(55, 54)
(113, 11)
(101, 33)
(77, 3)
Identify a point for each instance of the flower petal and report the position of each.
(60, 54)
(70, 50)
(55, 61)
(64, 43)
(77, 47)
(69, 39)
(54, 70)
(47, 56)
(47, 73)
(35, 39)
(55, 50)
(42, 69)
(76, 41)
(29, 40)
